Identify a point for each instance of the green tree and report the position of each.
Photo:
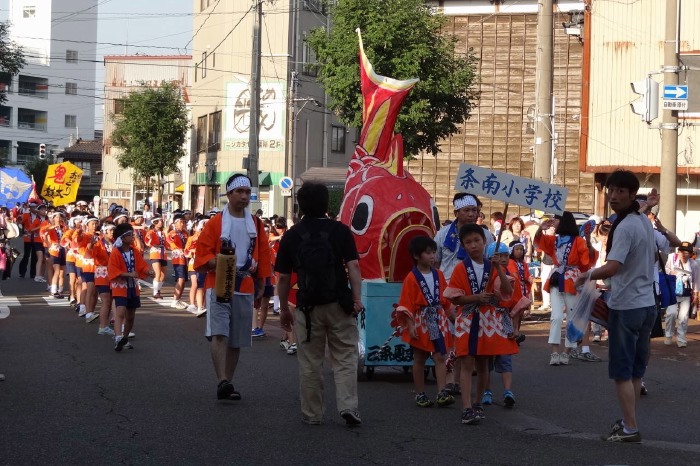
(151, 132)
(403, 39)
(11, 56)
(37, 168)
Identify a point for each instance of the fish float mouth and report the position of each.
(398, 232)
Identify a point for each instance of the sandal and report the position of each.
(226, 392)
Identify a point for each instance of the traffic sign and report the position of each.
(286, 192)
(286, 183)
(681, 105)
(675, 92)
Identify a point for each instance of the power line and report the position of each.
(203, 23)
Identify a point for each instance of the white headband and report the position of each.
(466, 201)
(238, 182)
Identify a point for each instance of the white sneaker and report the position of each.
(82, 313)
(39, 279)
(564, 359)
(292, 350)
(91, 317)
(192, 308)
(105, 331)
(668, 341)
(200, 312)
(132, 335)
(177, 304)
(554, 360)
(681, 344)
(284, 344)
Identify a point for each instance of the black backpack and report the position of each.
(317, 267)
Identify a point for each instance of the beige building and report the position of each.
(626, 45)
(503, 37)
(296, 131)
(125, 74)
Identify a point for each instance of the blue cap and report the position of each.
(491, 249)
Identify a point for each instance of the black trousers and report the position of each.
(29, 254)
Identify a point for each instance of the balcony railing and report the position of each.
(40, 90)
(32, 126)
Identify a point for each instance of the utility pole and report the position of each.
(254, 134)
(544, 133)
(669, 123)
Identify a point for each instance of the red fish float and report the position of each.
(383, 204)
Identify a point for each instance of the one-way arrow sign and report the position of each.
(675, 92)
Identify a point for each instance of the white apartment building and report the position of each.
(52, 100)
(297, 132)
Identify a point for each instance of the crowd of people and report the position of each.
(462, 304)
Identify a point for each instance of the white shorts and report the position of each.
(232, 320)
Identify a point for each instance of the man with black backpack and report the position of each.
(319, 250)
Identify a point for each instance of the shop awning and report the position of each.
(180, 188)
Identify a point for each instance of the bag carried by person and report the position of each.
(577, 322)
(316, 264)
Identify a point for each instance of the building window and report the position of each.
(310, 68)
(85, 167)
(202, 133)
(214, 134)
(71, 56)
(204, 64)
(29, 11)
(338, 138)
(71, 121)
(118, 106)
(196, 69)
(213, 60)
(72, 88)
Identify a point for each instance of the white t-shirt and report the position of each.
(479, 271)
(147, 217)
(240, 239)
(431, 283)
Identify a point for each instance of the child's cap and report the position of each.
(496, 248)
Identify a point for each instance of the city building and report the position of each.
(125, 74)
(297, 133)
(499, 135)
(52, 100)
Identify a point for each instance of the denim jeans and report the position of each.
(629, 332)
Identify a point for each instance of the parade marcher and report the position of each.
(87, 243)
(632, 306)
(196, 306)
(147, 215)
(229, 324)
(101, 252)
(67, 243)
(125, 267)
(176, 240)
(467, 210)
(425, 319)
(571, 257)
(687, 274)
(479, 331)
(155, 241)
(39, 243)
(31, 224)
(58, 254)
(326, 307)
(140, 230)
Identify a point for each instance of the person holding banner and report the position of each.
(572, 256)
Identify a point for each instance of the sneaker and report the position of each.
(39, 279)
(284, 344)
(520, 338)
(564, 359)
(682, 344)
(73, 302)
(554, 359)
(200, 312)
(469, 417)
(192, 308)
(456, 390)
(643, 390)
(132, 335)
(575, 353)
(668, 341)
(310, 421)
(128, 345)
(588, 356)
(91, 318)
(450, 387)
(158, 296)
(82, 313)
(177, 304)
(57, 295)
(423, 401)
(105, 331)
(479, 411)
(276, 311)
(508, 399)
(352, 417)
(596, 338)
(444, 398)
(257, 332)
(487, 397)
(292, 350)
(120, 342)
(618, 434)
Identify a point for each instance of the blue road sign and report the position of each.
(675, 92)
(286, 183)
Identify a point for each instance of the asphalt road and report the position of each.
(68, 398)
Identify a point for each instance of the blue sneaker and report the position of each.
(508, 399)
(258, 332)
(487, 397)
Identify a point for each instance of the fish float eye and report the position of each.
(436, 214)
(362, 216)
